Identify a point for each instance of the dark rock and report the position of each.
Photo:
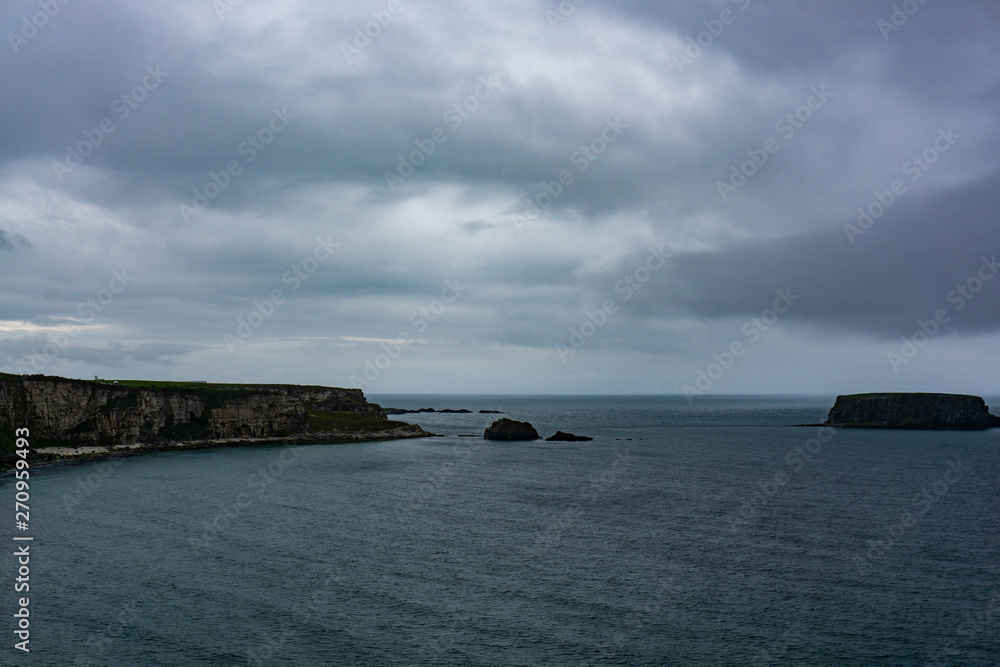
(508, 429)
(914, 411)
(491, 412)
(401, 411)
(567, 437)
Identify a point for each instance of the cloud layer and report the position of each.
(459, 196)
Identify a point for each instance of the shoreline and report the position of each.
(48, 455)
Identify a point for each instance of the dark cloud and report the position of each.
(901, 269)
(534, 160)
(12, 241)
(58, 351)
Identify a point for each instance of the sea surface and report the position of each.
(709, 534)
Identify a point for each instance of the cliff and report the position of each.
(79, 413)
(916, 411)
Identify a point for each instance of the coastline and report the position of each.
(46, 455)
(69, 418)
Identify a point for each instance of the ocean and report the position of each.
(709, 534)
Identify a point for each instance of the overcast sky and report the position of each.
(519, 197)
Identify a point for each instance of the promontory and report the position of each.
(913, 411)
(67, 417)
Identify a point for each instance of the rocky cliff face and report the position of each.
(508, 429)
(918, 411)
(60, 411)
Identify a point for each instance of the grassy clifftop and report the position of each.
(912, 410)
(104, 413)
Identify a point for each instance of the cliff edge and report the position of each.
(63, 413)
(915, 411)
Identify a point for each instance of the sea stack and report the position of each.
(912, 411)
(508, 429)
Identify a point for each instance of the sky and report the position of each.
(527, 197)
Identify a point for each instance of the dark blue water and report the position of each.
(712, 534)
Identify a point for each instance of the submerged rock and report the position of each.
(916, 411)
(508, 429)
(567, 437)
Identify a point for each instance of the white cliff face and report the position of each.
(80, 412)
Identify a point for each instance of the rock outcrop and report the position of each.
(913, 411)
(508, 429)
(567, 437)
(405, 411)
(62, 412)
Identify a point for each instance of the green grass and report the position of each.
(171, 384)
(213, 395)
(898, 393)
(166, 384)
(870, 395)
(325, 420)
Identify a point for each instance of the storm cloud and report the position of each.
(538, 196)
